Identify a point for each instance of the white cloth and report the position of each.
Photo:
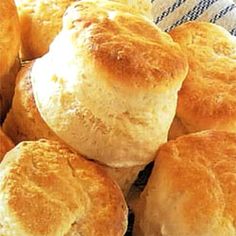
(170, 13)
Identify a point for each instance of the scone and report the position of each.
(5, 144)
(207, 98)
(9, 48)
(48, 190)
(112, 82)
(192, 188)
(41, 21)
(108, 86)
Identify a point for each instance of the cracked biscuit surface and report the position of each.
(207, 98)
(41, 21)
(192, 188)
(46, 189)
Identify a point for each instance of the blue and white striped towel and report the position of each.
(170, 13)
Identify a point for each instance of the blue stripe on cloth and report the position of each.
(233, 31)
(169, 10)
(223, 12)
(194, 13)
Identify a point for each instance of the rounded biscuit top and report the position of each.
(111, 76)
(192, 188)
(126, 47)
(46, 189)
(41, 21)
(207, 98)
(123, 46)
(9, 35)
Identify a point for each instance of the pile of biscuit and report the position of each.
(91, 92)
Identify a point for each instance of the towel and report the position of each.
(170, 13)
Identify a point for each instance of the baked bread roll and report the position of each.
(108, 103)
(192, 188)
(48, 190)
(23, 122)
(207, 98)
(41, 21)
(5, 144)
(9, 48)
(112, 79)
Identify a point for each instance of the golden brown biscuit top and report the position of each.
(41, 21)
(199, 175)
(46, 189)
(124, 45)
(9, 35)
(5, 144)
(209, 90)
